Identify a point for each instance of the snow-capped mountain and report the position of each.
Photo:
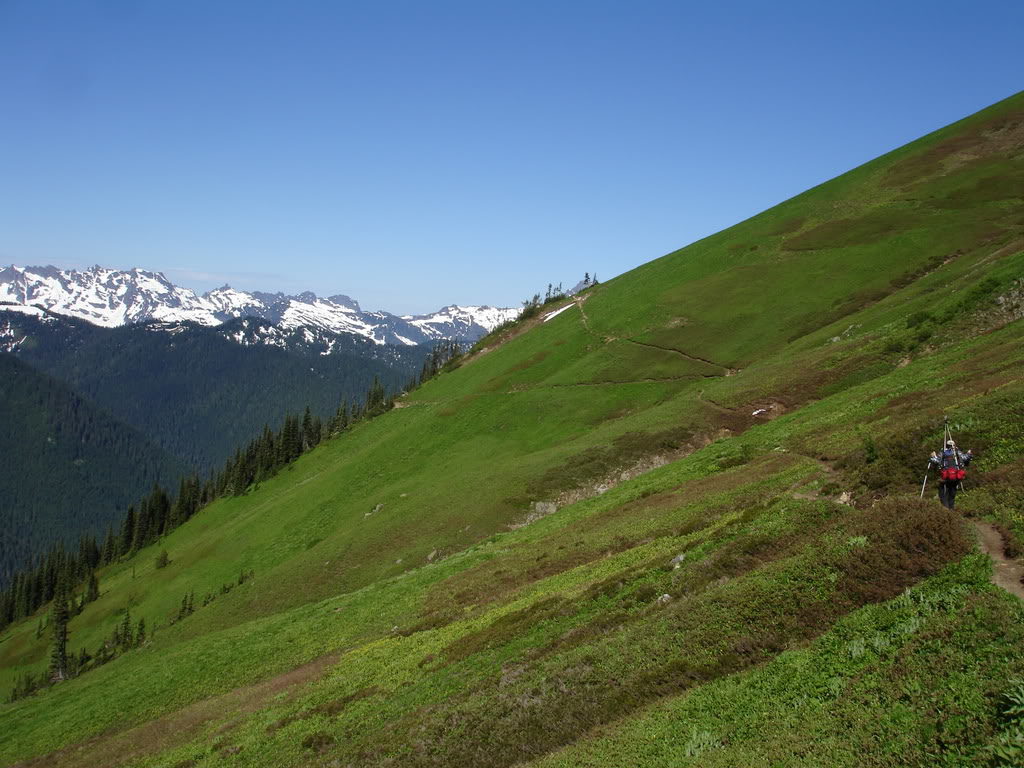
(111, 298)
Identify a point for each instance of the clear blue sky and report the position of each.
(413, 154)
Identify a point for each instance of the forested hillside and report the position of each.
(196, 393)
(68, 467)
(677, 523)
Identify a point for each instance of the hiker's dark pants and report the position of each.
(947, 492)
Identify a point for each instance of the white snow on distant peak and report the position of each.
(112, 298)
(484, 318)
(227, 299)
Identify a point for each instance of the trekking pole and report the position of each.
(945, 437)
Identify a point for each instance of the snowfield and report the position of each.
(557, 312)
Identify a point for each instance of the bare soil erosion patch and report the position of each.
(1006, 572)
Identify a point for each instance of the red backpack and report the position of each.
(951, 469)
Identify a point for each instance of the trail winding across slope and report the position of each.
(691, 358)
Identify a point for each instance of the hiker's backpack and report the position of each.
(951, 467)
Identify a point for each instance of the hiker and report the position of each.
(951, 464)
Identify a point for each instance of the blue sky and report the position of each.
(413, 154)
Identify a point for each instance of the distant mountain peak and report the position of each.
(112, 298)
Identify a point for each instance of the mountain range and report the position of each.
(675, 520)
(171, 382)
(112, 298)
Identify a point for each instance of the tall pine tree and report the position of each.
(92, 591)
(59, 649)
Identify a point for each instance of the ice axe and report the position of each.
(928, 466)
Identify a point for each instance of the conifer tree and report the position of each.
(142, 526)
(59, 649)
(376, 399)
(179, 513)
(128, 531)
(160, 510)
(92, 591)
(307, 430)
(125, 632)
(265, 454)
(140, 634)
(88, 556)
(109, 547)
(239, 476)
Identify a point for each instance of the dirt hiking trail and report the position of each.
(1006, 573)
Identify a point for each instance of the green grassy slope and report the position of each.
(701, 597)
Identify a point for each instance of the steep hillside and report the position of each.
(197, 392)
(739, 570)
(68, 467)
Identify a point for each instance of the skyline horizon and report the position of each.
(202, 285)
(202, 282)
(416, 156)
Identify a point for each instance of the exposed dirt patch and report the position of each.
(1006, 573)
(614, 478)
(174, 729)
(1006, 308)
(767, 410)
(601, 468)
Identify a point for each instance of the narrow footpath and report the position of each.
(1006, 573)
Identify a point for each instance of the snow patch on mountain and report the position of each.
(557, 312)
(112, 298)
